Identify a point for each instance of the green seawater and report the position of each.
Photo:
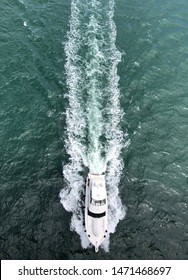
(152, 38)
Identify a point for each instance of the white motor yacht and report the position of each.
(96, 209)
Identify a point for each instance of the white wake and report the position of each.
(93, 135)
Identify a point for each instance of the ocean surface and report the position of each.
(97, 85)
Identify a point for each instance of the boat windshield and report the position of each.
(98, 202)
(96, 215)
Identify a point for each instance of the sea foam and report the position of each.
(94, 138)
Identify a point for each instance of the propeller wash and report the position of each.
(93, 136)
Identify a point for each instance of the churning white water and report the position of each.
(93, 135)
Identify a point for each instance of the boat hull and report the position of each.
(96, 211)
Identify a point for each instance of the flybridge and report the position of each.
(96, 209)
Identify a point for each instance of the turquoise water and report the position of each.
(123, 65)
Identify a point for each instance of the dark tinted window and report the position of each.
(96, 215)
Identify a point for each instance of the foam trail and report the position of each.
(95, 57)
(94, 138)
(113, 133)
(75, 121)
